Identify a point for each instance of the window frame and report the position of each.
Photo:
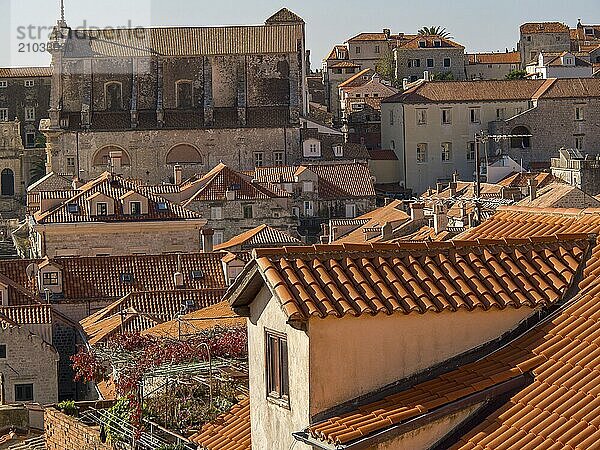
(216, 212)
(446, 116)
(22, 398)
(29, 114)
(99, 213)
(3, 84)
(421, 155)
(446, 152)
(279, 158)
(277, 382)
(3, 114)
(421, 114)
(579, 116)
(50, 278)
(471, 151)
(447, 66)
(131, 208)
(259, 159)
(3, 351)
(29, 83)
(245, 208)
(475, 115)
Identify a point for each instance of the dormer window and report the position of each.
(29, 83)
(312, 148)
(422, 44)
(73, 208)
(589, 31)
(126, 278)
(196, 275)
(437, 43)
(50, 278)
(338, 150)
(135, 208)
(162, 206)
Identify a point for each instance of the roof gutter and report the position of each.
(512, 385)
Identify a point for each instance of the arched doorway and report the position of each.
(520, 142)
(184, 154)
(7, 181)
(102, 156)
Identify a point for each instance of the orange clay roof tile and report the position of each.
(230, 431)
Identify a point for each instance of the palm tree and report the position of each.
(435, 31)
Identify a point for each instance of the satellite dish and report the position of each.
(32, 270)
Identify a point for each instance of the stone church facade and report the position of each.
(165, 96)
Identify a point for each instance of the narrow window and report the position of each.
(102, 209)
(216, 213)
(446, 151)
(430, 62)
(247, 211)
(475, 115)
(421, 117)
(114, 96)
(184, 93)
(277, 366)
(471, 151)
(135, 208)
(2, 351)
(278, 158)
(259, 159)
(29, 114)
(578, 113)
(446, 116)
(421, 153)
(3, 114)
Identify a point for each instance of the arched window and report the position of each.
(7, 180)
(184, 94)
(102, 156)
(184, 154)
(113, 92)
(520, 142)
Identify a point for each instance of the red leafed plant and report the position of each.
(144, 353)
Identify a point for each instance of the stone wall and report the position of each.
(67, 433)
(147, 150)
(29, 359)
(132, 239)
(456, 55)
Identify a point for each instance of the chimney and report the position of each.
(386, 231)
(404, 83)
(207, 235)
(440, 218)
(417, 211)
(76, 183)
(177, 174)
(333, 235)
(455, 177)
(230, 195)
(387, 32)
(116, 158)
(453, 186)
(439, 187)
(178, 280)
(463, 210)
(532, 183)
(426, 75)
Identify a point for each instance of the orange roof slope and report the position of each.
(261, 236)
(351, 280)
(218, 315)
(544, 27)
(230, 431)
(495, 58)
(560, 409)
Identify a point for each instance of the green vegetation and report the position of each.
(68, 407)
(435, 31)
(442, 76)
(386, 68)
(516, 75)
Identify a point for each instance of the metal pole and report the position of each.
(477, 177)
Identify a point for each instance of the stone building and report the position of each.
(28, 366)
(542, 36)
(25, 95)
(491, 66)
(232, 203)
(179, 95)
(436, 55)
(577, 170)
(111, 216)
(360, 98)
(433, 125)
(17, 167)
(322, 191)
(323, 145)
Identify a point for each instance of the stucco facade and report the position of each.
(433, 60)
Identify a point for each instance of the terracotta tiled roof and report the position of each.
(114, 187)
(28, 314)
(186, 41)
(357, 79)
(101, 277)
(340, 181)
(343, 64)
(391, 213)
(495, 58)
(560, 409)
(278, 174)
(369, 37)
(218, 315)
(461, 91)
(140, 311)
(214, 185)
(414, 43)
(573, 88)
(261, 236)
(52, 182)
(521, 179)
(230, 431)
(25, 72)
(560, 195)
(425, 234)
(338, 52)
(383, 155)
(353, 279)
(544, 27)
